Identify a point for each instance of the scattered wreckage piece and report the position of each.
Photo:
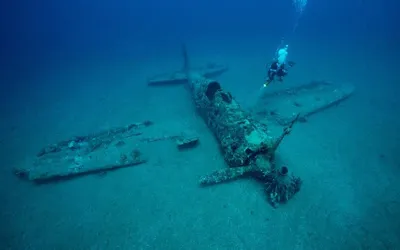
(82, 155)
(183, 142)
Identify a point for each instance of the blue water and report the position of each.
(76, 67)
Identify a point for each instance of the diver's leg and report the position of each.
(271, 76)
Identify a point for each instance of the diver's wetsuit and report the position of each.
(276, 70)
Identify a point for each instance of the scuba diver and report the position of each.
(279, 67)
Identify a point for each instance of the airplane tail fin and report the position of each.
(186, 65)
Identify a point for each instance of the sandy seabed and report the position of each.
(347, 157)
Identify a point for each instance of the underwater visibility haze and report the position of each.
(200, 124)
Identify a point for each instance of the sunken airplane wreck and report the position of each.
(244, 138)
(246, 144)
(245, 141)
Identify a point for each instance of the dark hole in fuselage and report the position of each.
(249, 151)
(284, 171)
(212, 88)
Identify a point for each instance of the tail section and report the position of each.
(186, 65)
